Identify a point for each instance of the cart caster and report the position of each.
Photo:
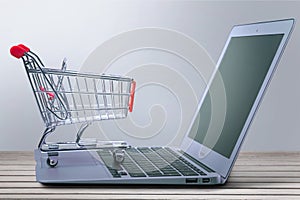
(119, 155)
(52, 162)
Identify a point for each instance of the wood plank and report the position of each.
(270, 154)
(266, 174)
(17, 167)
(236, 168)
(17, 173)
(256, 185)
(263, 168)
(263, 161)
(17, 179)
(17, 162)
(15, 155)
(143, 197)
(7, 155)
(295, 163)
(229, 185)
(263, 180)
(151, 191)
(258, 174)
(231, 179)
(293, 158)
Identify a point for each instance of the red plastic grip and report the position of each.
(24, 47)
(131, 98)
(17, 51)
(51, 95)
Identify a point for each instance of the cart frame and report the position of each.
(71, 97)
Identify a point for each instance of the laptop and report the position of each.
(217, 131)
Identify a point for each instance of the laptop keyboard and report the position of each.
(149, 162)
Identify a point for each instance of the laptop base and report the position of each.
(87, 167)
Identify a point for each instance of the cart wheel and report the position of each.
(119, 155)
(52, 162)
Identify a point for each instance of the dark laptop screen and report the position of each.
(242, 71)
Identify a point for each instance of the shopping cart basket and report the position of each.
(68, 97)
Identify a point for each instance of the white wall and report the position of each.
(55, 29)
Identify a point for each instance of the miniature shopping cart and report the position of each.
(69, 97)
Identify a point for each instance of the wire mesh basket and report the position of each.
(69, 97)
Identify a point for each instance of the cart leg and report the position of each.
(47, 131)
(82, 128)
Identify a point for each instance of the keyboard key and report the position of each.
(123, 173)
(134, 174)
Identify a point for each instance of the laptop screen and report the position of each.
(241, 74)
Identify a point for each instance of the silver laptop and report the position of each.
(210, 147)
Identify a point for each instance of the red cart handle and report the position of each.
(19, 50)
(131, 98)
(24, 47)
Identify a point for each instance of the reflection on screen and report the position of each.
(233, 91)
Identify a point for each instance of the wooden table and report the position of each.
(255, 176)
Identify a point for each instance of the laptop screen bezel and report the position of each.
(219, 163)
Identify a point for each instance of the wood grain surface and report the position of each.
(273, 175)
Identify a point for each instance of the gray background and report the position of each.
(74, 29)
